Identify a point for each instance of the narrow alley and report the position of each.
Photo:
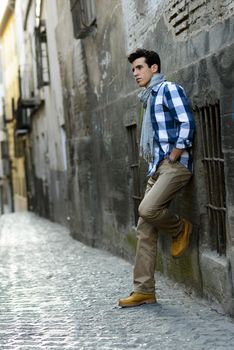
(56, 293)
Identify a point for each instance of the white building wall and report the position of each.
(48, 136)
(54, 118)
(48, 121)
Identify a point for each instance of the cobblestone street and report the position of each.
(57, 293)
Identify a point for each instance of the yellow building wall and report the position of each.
(11, 91)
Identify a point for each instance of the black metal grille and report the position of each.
(134, 165)
(214, 167)
(4, 149)
(43, 76)
(22, 119)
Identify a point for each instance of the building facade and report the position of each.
(5, 183)
(41, 101)
(82, 152)
(13, 179)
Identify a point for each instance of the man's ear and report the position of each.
(154, 68)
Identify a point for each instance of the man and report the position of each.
(166, 141)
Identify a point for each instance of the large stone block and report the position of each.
(217, 279)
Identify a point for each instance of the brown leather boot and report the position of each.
(181, 241)
(137, 299)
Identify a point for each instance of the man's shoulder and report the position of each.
(173, 90)
(170, 85)
(159, 87)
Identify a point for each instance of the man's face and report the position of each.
(142, 72)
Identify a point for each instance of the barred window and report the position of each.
(41, 55)
(134, 165)
(83, 17)
(213, 161)
(4, 149)
(22, 121)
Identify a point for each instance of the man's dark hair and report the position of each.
(151, 57)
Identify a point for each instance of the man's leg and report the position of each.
(169, 179)
(154, 215)
(145, 260)
(161, 189)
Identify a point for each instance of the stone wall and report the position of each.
(195, 42)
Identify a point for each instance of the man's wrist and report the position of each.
(171, 161)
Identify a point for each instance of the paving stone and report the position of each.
(57, 293)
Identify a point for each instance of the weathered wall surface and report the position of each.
(46, 152)
(75, 82)
(195, 42)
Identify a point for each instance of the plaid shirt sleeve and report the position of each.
(177, 102)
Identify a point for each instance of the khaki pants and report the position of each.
(154, 216)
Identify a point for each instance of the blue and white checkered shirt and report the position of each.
(173, 124)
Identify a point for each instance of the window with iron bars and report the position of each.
(83, 17)
(134, 165)
(213, 161)
(43, 77)
(4, 149)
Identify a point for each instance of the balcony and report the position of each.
(27, 103)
